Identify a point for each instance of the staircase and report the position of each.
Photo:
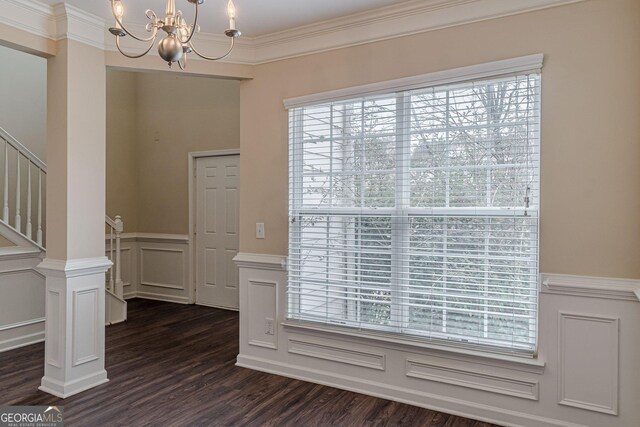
(22, 225)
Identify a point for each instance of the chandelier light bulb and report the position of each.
(118, 10)
(231, 12)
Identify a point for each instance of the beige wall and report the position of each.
(590, 216)
(23, 103)
(174, 115)
(122, 173)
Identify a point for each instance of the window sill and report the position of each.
(533, 365)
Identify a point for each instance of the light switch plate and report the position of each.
(259, 230)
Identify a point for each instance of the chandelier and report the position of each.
(178, 42)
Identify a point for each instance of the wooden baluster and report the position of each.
(39, 234)
(18, 218)
(5, 212)
(29, 230)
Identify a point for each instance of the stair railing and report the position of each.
(21, 156)
(116, 227)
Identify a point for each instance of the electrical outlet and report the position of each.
(259, 230)
(268, 326)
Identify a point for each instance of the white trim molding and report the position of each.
(329, 350)
(594, 287)
(21, 334)
(74, 267)
(522, 64)
(75, 24)
(153, 237)
(19, 252)
(261, 261)
(443, 371)
(33, 17)
(399, 20)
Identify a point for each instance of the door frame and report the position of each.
(192, 158)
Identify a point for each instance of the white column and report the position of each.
(75, 192)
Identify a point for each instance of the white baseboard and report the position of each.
(162, 297)
(22, 341)
(430, 401)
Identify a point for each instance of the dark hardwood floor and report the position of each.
(173, 365)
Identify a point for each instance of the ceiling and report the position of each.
(254, 17)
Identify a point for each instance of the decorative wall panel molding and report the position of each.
(54, 327)
(84, 341)
(464, 375)
(588, 362)
(262, 307)
(162, 268)
(342, 353)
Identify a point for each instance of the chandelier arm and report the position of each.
(181, 64)
(193, 29)
(208, 58)
(133, 56)
(129, 33)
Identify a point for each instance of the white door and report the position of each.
(217, 186)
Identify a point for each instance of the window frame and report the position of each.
(402, 210)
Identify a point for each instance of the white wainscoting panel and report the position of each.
(162, 267)
(262, 306)
(156, 266)
(572, 382)
(467, 375)
(22, 300)
(343, 353)
(588, 365)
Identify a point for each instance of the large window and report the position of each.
(415, 213)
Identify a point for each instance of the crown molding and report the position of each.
(406, 18)
(30, 16)
(75, 24)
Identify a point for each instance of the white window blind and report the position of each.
(415, 213)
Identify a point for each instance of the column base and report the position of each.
(75, 314)
(64, 390)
